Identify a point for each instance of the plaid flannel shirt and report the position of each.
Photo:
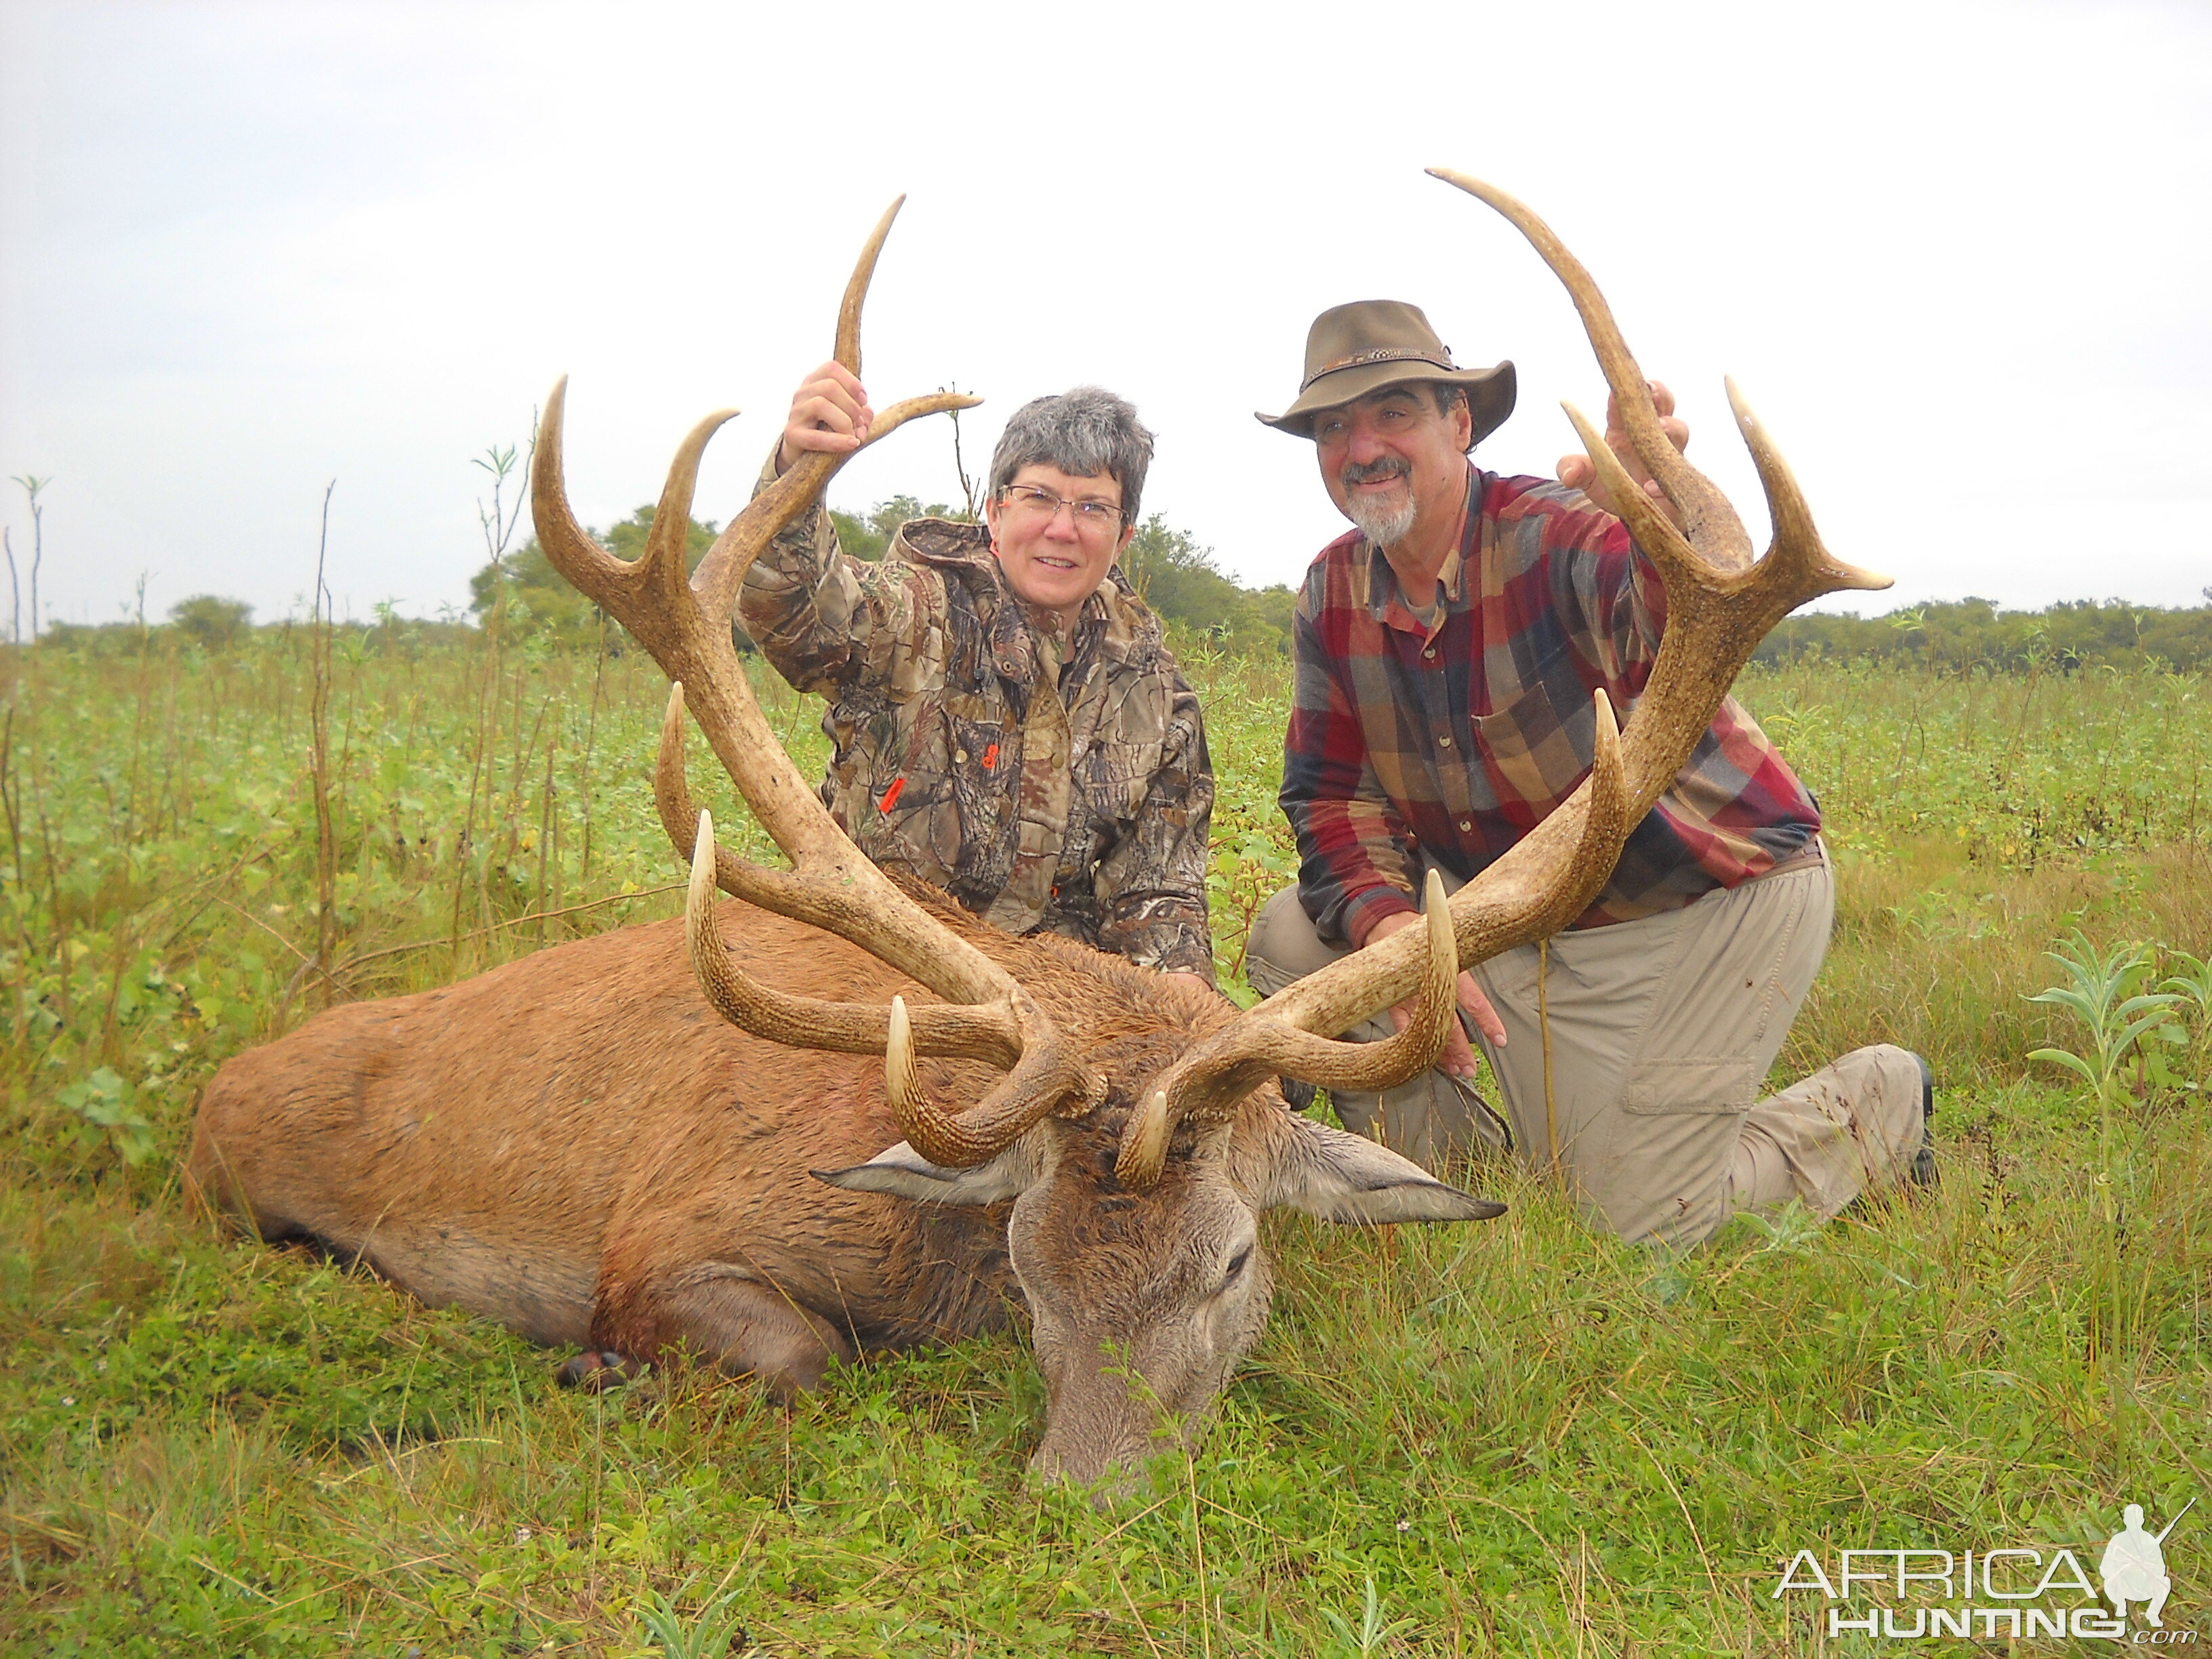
(1455, 743)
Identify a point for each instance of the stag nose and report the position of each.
(1101, 1482)
(1103, 1474)
(1100, 1440)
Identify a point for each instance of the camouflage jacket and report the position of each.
(1048, 784)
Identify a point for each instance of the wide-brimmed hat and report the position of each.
(1354, 349)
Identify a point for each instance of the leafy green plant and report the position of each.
(2103, 993)
(106, 1101)
(705, 1634)
(1241, 875)
(1373, 1633)
(2193, 985)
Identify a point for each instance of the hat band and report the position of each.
(1380, 355)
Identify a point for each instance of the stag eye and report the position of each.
(1237, 1266)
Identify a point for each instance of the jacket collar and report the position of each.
(1129, 633)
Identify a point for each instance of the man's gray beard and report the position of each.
(1386, 526)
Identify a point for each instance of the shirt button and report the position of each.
(1467, 823)
(1444, 740)
(1431, 651)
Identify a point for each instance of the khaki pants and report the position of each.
(1663, 1032)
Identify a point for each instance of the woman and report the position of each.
(1008, 725)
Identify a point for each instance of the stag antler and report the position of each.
(686, 626)
(1720, 603)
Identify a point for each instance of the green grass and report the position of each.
(1512, 1438)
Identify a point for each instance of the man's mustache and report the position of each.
(1387, 466)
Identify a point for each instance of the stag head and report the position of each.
(1134, 1123)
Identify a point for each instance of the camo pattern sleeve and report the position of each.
(1150, 886)
(825, 620)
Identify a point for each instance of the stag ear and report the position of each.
(1335, 1176)
(904, 1173)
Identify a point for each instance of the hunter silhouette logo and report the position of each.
(2133, 1566)
(2007, 1592)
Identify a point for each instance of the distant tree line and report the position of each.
(1176, 577)
(1959, 635)
(1205, 607)
(1187, 589)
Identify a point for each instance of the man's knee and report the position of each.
(1659, 1179)
(1283, 946)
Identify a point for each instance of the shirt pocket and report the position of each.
(1537, 747)
(908, 818)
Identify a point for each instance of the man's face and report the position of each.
(1389, 460)
(1053, 545)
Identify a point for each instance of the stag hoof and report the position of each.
(596, 1370)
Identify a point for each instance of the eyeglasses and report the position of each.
(1041, 507)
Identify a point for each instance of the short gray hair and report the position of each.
(1084, 433)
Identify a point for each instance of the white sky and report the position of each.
(1956, 254)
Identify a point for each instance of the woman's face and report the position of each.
(1053, 541)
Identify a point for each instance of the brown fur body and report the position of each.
(575, 1145)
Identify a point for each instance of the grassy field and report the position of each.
(1515, 1439)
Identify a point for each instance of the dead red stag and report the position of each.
(581, 1146)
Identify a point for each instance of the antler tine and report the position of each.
(662, 562)
(1713, 525)
(1384, 1065)
(988, 1031)
(961, 1140)
(722, 572)
(847, 350)
(1793, 534)
(576, 555)
(1043, 1084)
(1259, 1049)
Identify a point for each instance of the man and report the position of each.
(2133, 1568)
(1446, 651)
(1007, 724)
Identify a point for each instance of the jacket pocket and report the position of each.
(981, 771)
(1118, 776)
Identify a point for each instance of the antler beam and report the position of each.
(686, 626)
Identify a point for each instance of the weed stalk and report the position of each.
(326, 845)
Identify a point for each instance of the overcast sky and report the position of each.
(1955, 254)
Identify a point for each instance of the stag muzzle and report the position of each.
(1105, 1422)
